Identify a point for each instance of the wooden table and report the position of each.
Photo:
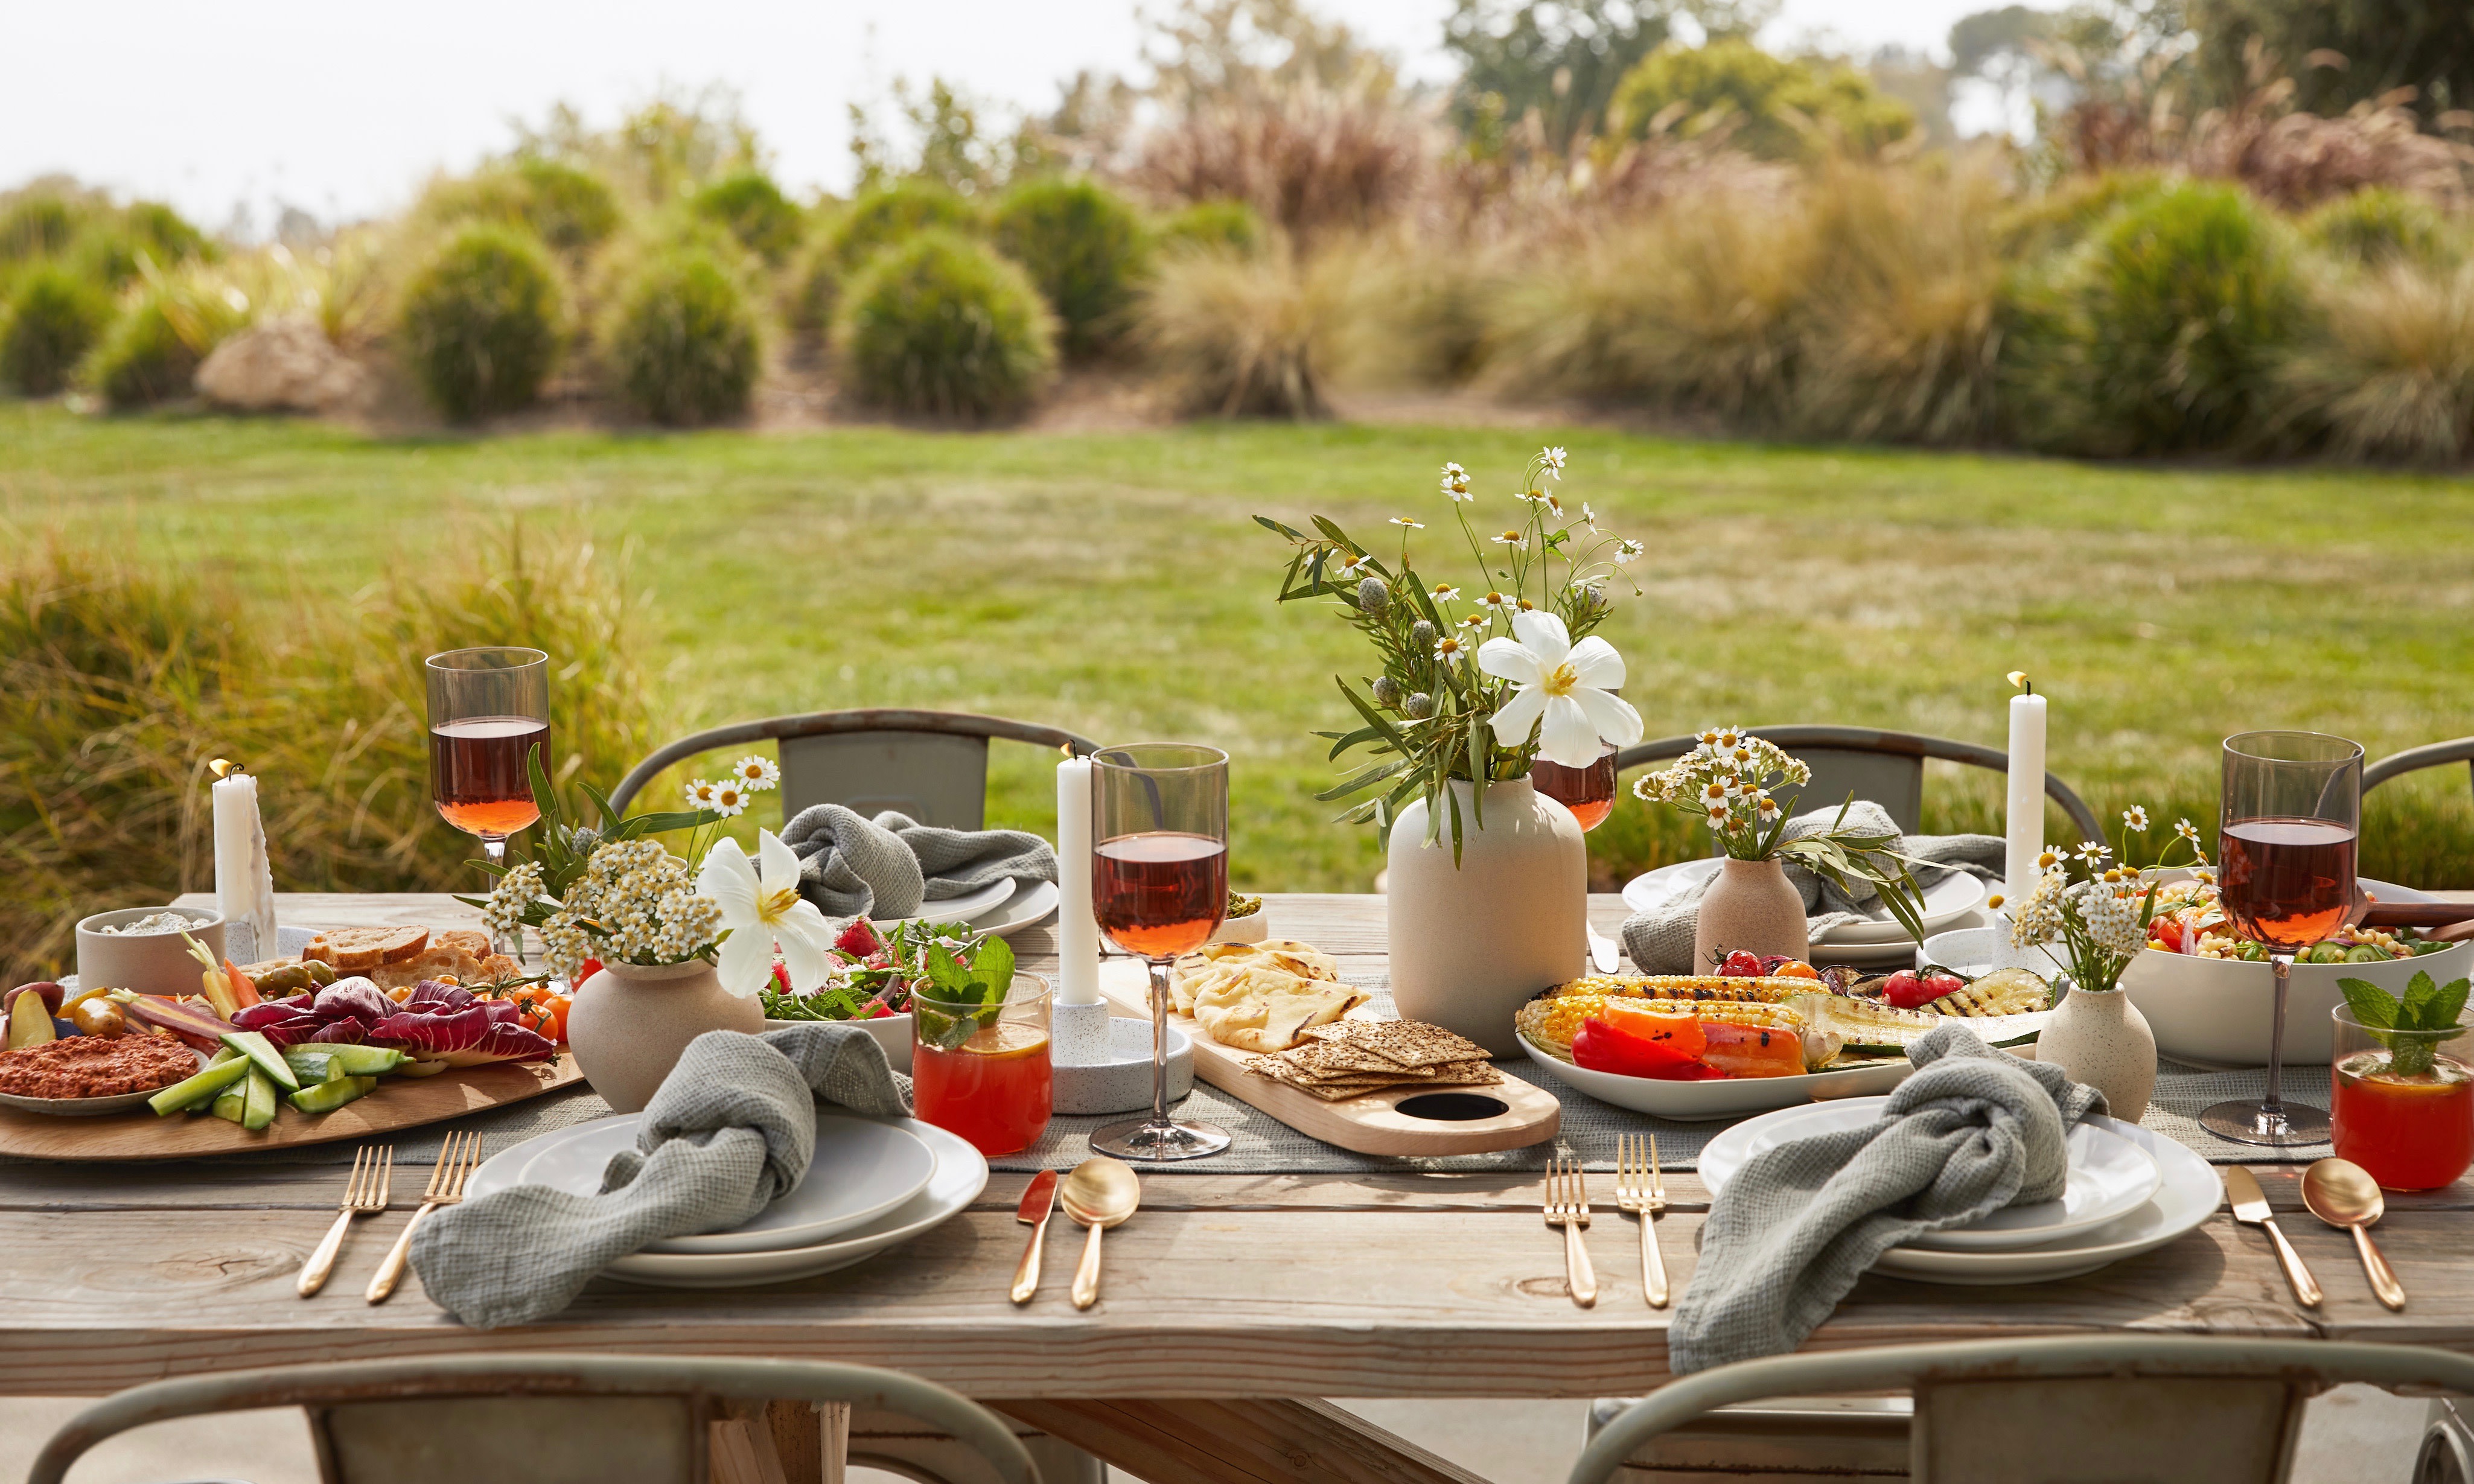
(1228, 1300)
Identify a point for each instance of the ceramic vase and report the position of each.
(2098, 1037)
(629, 1023)
(1470, 942)
(1751, 906)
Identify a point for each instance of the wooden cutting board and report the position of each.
(1509, 1114)
(400, 1103)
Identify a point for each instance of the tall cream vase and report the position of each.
(2098, 1037)
(1470, 943)
(1750, 904)
(629, 1024)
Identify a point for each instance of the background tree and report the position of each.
(1561, 60)
(2377, 45)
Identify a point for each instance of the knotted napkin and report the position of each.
(1661, 942)
(731, 1130)
(1972, 1131)
(894, 867)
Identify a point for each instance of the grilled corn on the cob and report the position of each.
(1700, 989)
(1551, 1021)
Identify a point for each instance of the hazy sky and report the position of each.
(341, 110)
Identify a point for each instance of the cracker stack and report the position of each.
(1351, 1056)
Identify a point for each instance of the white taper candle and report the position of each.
(244, 881)
(1077, 932)
(2024, 837)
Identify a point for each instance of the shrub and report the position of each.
(120, 677)
(2064, 215)
(2379, 226)
(1212, 224)
(52, 319)
(482, 322)
(1420, 313)
(1310, 159)
(752, 208)
(814, 290)
(152, 350)
(1773, 108)
(1247, 334)
(942, 327)
(877, 220)
(1083, 247)
(42, 222)
(681, 342)
(2389, 367)
(111, 248)
(571, 210)
(2164, 333)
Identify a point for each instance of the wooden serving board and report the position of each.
(400, 1103)
(1371, 1123)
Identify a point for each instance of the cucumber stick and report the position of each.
(327, 1096)
(262, 1054)
(312, 1067)
(234, 1101)
(199, 1087)
(257, 1107)
(365, 1060)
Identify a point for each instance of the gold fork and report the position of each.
(1643, 1194)
(455, 1162)
(1568, 1207)
(364, 1193)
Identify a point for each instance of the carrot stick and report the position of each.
(244, 989)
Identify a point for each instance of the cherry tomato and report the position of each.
(1795, 968)
(1740, 965)
(539, 1009)
(1906, 990)
(2166, 932)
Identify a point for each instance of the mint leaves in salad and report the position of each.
(2426, 1008)
(966, 975)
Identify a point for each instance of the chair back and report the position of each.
(522, 1419)
(930, 765)
(2092, 1409)
(2412, 760)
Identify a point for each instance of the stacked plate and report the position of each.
(1002, 907)
(1947, 902)
(2128, 1191)
(873, 1183)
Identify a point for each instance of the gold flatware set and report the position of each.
(365, 1194)
(2341, 1194)
(1640, 1191)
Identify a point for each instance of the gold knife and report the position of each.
(1033, 1213)
(2250, 1208)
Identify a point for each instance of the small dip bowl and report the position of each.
(148, 962)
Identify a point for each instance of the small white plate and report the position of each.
(1724, 1097)
(958, 908)
(861, 1170)
(961, 1174)
(1956, 894)
(2110, 1177)
(1028, 909)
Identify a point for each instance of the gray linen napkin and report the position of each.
(732, 1128)
(1661, 943)
(1972, 1131)
(892, 866)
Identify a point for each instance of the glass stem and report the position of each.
(2273, 1104)
(1160, 1042)
(495, 846)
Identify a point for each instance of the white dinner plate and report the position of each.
(961, 1174)
(2110, 1176)
(862, 1169)
(1956, 894)
(958, 908)
(1033, 905)
(1723, 1097)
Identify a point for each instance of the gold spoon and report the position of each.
(2342, 1194)
(1099, 1193)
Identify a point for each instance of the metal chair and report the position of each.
(1887, 767)
(521, 1418)
(2413, 760)
(2120, 1409)
(930, 765)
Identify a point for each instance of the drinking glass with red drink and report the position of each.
(2402, 1101)
(489, 714)
(982, 1070)
(1159, 886)
(2290, 819)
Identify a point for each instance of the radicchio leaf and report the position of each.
(355, 997)
(463, 1037)
(347, 1032)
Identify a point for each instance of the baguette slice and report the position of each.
(471, 941)
(354, 950)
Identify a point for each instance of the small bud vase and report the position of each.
(2098, 1037)
(630, 1022)
(1750, 904)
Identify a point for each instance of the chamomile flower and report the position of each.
(1404, 520)
(1717, 792)
(729, 799)
(1719, 816)
(755, 774)
(1727, 739)
(1497, 601)
(1588, 518)
(2187, 830)
(1553, 460)
(1356, 567)
(1449, 650)
(1446, 593)
(1473, 620)
(2091, 851)
(2136, 817)
(699, 794)
(1517, 540)
(1627, 552)
(2050, 858)
(1764, 807)
(1456, 482)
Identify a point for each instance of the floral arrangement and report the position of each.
(1475, 681)
(612, 895)
(1726, 782)
(2093, 908)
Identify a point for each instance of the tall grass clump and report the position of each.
(1211, 224)
(41, 220)
(1771, 108)
(120, 677)
(2389, 367)
(1311, 159)
(681, 342)
(152, 350)
(941, 326)
(2381, 225)
(2165, 332)
(572, 211)
(51, 318)
(878, 219)
(118, 246)
(1085, 249)
(752, 208)
(1247, 334)
(483, 322)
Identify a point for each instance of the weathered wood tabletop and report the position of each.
(1261, 1286)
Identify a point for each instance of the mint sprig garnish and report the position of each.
(2426, 1008)
(980, 986)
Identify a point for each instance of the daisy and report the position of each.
(1727, 739)
(1356, 565)
(729, 799)
(1526, 606)
(1719, 816)
(1475, 621)
(1456, 482)
(2091, 851)
(1715, 793)
(2048, 860)
(1562, 690)
(1404, 520)
(1764, 806)
(1553, 459)
(764, 913)
(755, 774)
(1588, 518)
(1496, 601)
(699, 793)
(1517, 540)
(1627, 552)
(2136, 817)
(1449, 649)
(1446, 593)
(2187, 830)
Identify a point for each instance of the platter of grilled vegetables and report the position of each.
(1718, 1046)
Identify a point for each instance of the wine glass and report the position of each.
(1590, 793)
(1159, 886)
(489, 711)
(2285, 876)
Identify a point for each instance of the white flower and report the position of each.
(699, 793)
(1356, 565)
(2187, 830)
(1765, 806)
(2091, 851)
(1446, 593)
(1716, 794)
(728, 799)
(761, 911)
(755, 774)
(1718, 815)
(1449, 649)
(1402, 520)
(1627, 552)
(1565, 690)
(1553, 459)
(1497, 601)
(1473, 620)
(1519, 541)
(1589, 517)
(2136, 817)
(1727, 739)
(1456, 482)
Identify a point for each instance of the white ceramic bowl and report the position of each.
(891, 1032)
(2216, 1011)
(150, 962)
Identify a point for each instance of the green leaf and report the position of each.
(2442, 1009)
(2418, 993)
(544, 797)
(2370, 1003)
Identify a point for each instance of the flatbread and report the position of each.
(1212, 964)
(1259, 1009)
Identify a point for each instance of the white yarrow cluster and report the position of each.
(637, 899)
(2111, 919)
(518, 890)
(2038, 918)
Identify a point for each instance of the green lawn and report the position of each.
(1114, 584)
